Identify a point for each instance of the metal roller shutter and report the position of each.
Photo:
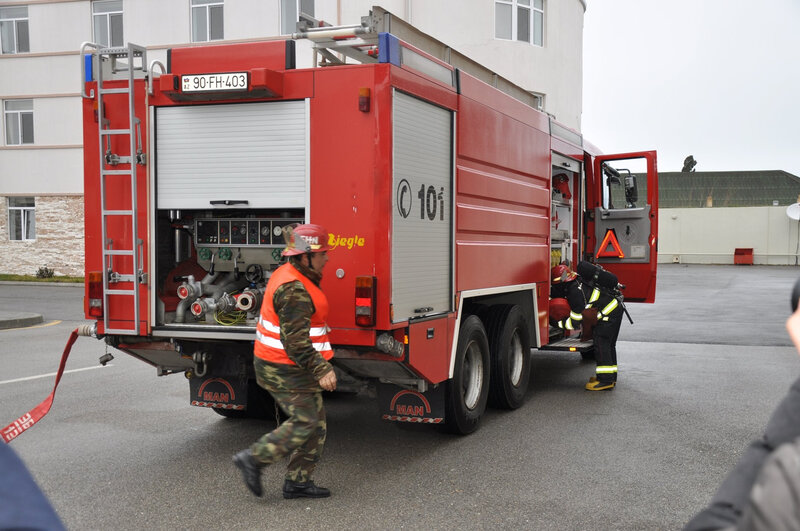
(256, 152)
(421, 208)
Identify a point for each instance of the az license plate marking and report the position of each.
(214, 82)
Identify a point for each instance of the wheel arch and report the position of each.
(471, 301)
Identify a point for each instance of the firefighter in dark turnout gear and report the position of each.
(565, 284)
(608, 308)
(291, 361)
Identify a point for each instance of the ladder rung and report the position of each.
(119, 51)
(115, 131)
(117, 252)
(121, 330)
(121, 291)
(114, 91)
(115, 172)
(117, 212)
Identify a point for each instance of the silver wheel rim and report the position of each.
(472, 375)
(517, 360)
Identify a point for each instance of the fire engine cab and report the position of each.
(446, 193)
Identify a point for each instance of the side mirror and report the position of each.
(631, 190)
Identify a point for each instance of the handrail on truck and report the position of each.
(83, 68)
(151, 74)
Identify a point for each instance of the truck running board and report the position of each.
(571, 344)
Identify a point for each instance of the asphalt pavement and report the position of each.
(700, 372)
(19, 319)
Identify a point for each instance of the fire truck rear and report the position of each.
(446, 199)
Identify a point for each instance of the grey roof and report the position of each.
(727, 188)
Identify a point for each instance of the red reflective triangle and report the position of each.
(610, 240)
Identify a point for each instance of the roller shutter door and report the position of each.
(256, 152)
(421, 208)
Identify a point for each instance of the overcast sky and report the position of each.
(716, 79)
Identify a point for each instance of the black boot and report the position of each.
(251, 471)
(293, 489)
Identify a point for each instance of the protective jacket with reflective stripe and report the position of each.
(604, 302)
(268, 345)
(573, 292)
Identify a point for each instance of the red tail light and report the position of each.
(365, 301)
(95, 279)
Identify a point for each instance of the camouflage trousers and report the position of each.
(301, 436)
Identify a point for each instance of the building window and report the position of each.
(14, 29)
(107, 21)
(292, 11)
(207, 20)
(18, 116)
(21, 218)
(519, 20)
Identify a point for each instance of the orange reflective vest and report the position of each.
(268, 345)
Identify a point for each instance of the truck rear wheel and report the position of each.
(468, 390)
(510, 346)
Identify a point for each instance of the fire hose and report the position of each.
(16, 428)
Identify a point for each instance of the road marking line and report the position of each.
(51, 374)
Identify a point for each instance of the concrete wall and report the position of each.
(710, 235)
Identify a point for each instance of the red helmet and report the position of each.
(559, 309)
(561, 273)
(306, 238)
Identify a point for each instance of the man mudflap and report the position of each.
(291, 360)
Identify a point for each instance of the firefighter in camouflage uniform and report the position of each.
(291, 358)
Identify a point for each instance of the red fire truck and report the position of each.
(446, 193)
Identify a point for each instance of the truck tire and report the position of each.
(468, 390)
(510, 348)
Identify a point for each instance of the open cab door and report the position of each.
(626, 221)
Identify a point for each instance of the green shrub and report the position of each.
(44, 272)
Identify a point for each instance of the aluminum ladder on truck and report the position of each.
(111, 62)
(360, 42)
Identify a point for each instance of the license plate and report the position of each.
(214, 82)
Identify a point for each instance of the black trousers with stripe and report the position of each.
(605, 343)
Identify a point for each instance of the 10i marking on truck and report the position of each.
(431, 201)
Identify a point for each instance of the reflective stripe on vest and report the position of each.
(268, 345)
(610, 307)
(571, 322)
(593, 297)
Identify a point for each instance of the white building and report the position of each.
(536, 44)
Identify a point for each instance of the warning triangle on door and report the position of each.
(609, 241)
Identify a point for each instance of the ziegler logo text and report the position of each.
(336, 240)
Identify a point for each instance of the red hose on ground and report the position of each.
(15, 429)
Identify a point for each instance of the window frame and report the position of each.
(17, 115)
(535, 25)
(109, 37)
(27, 215)
(297, 9)
(16, 21)
(205, 6)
